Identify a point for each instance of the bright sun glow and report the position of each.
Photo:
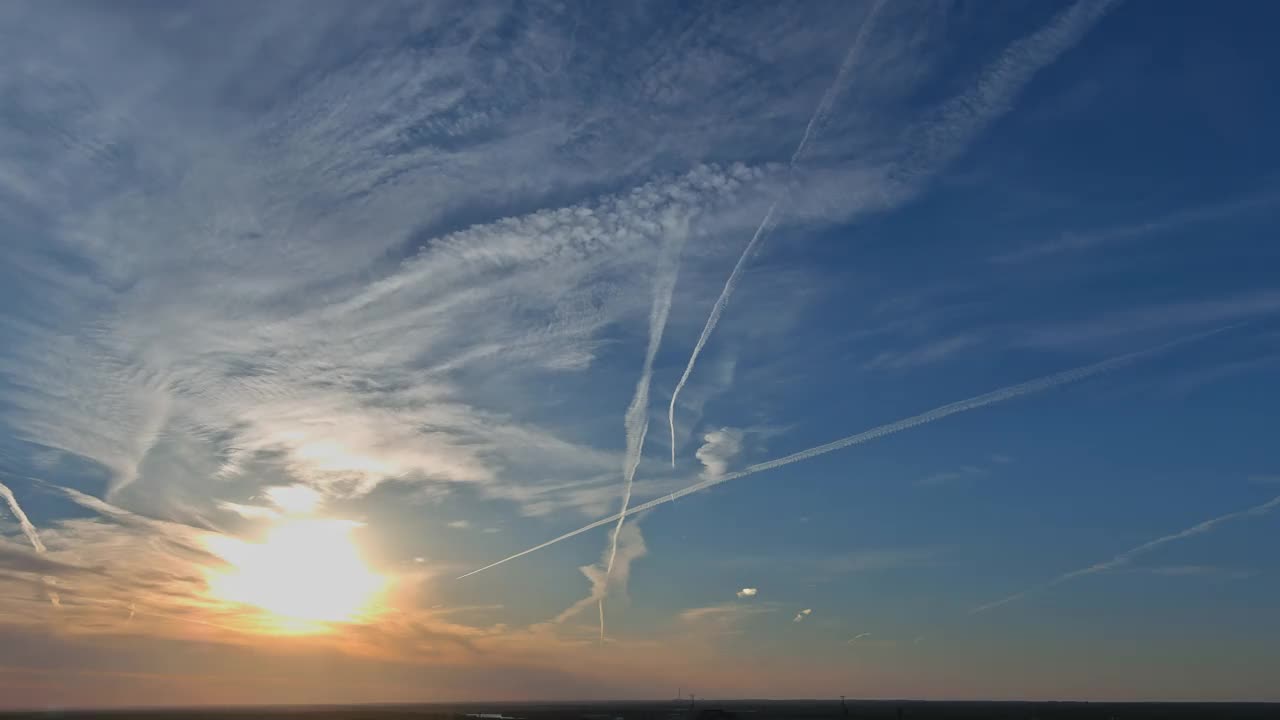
(306, 573)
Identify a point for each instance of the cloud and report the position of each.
(631, 547)
(725, 618)
(718, 449)
(932, 352)
(858, 637)
(249, 512)
(459, 524)
(951, 476)
(16, 558)
(800, 616)
(747, 592)
(1079, 241)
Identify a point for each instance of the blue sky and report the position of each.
(427, 278)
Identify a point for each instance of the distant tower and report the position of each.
(844, 709)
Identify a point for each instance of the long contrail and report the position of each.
(28, 529)
(1127, 556)
(960, 120)
(996, 396)
(816, 120)
(636, 421)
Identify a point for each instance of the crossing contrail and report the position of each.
(937, 142)
(636, 421)
(767, 224)
(1029, 387)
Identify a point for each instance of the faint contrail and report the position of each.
(996, 396)
(766, 225)
(636, 421)
(1125, 557)
(29, 530)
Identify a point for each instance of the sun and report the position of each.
(306, 573)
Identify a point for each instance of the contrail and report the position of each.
(939, 141)
(766, 225)
(996, 396)
(1125, 557)
(636, 421)
(29, 530)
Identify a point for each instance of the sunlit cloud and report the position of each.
(747, 592)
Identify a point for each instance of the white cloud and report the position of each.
(459, 524)
(294, 499)
(250, 512)
(800, 616)
(718, 449)
(747, 592)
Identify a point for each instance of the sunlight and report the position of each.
(306, 573)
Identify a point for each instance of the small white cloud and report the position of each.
(747, 592)
(719, 447)
(800, 616)
(419, 559)
(459, 524)
(858, 637)
(249, 512)
(492, 530)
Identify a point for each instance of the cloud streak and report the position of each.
(816, 120)
(978, 401)
(1128, 556)
(28, 529)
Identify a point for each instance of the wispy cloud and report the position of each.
(1127, 557)
(965, 472)
(459, 524)
(932, 352)
(1079, 241)
(802, 615)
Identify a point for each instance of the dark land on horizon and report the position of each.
(700, 710)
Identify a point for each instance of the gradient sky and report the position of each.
(428, 276)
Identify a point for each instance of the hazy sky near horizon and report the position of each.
(308, 309)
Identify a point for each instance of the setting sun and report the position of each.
(306, 573)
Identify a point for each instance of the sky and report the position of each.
(882, 349)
